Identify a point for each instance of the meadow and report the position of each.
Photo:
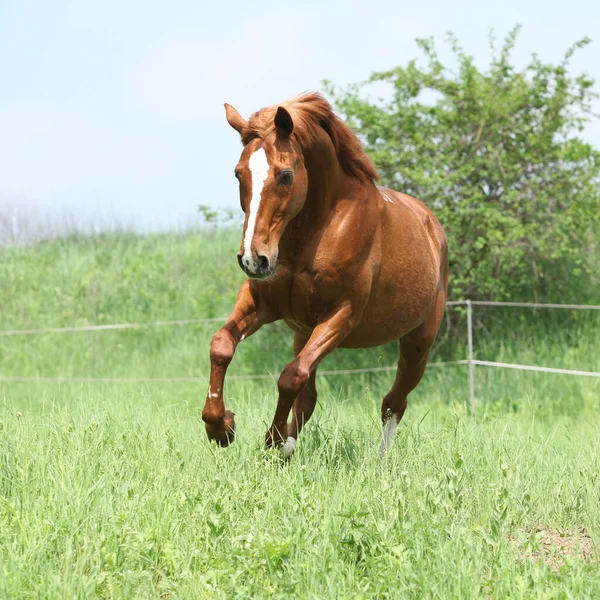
(111, 490)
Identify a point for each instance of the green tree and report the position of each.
(497, 155)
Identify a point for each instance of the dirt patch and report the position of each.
(553, 546)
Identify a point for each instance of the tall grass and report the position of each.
(113, 491)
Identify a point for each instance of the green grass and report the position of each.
(113, 491)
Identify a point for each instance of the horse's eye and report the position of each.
(285, 177)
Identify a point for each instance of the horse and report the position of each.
(343, 262)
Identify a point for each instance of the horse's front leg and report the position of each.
(245, 319)
(326, 336)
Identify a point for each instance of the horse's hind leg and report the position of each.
(414, 352)
(411, 366)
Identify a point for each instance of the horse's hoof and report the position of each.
(275, 438)
(223, 433)
(288, 448)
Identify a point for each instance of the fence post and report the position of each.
(470, 358)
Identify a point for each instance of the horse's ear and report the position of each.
(283, 122)
(234, 118)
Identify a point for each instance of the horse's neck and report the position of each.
(324, 179)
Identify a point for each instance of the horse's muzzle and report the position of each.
(259, 268)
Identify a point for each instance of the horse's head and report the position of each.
(273, 187)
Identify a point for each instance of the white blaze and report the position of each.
(259, 170)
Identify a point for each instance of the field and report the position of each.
(111, 490)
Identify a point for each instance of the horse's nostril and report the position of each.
(239, 257)
(263, 263)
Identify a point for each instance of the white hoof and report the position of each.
(288, 448)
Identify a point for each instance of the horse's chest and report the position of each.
(304, 302)
(302, 298)
(296, 300)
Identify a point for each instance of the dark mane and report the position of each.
(310, 111)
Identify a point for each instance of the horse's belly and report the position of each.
(395, 307)
(376, 328)
(391, 312)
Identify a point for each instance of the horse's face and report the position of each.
(273, 187)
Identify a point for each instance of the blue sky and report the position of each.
(115, 108)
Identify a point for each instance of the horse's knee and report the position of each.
(222, 347)
(293, 379)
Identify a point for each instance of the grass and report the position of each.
(113, 491)
(116, 493)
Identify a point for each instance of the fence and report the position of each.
(469, 361)
(486, 363)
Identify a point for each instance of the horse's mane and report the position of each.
(310, 111)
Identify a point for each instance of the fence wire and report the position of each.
(470, 361)
(272, 376)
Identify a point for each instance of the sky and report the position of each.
(113, 110)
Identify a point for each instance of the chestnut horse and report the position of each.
(341, 261)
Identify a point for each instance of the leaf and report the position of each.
(496, 154)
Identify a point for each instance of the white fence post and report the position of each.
(470, 358)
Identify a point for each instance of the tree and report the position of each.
(498, 157)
